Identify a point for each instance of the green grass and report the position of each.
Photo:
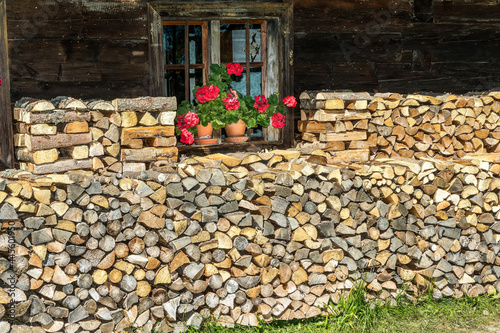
(354, 314)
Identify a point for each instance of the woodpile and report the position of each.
(146, 132)
(390, 125)
(340, 122)
(50, 139)
(242, 237)
(125, 135)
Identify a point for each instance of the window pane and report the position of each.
(195, 79)
(174, 84)
(195, 44)
(233, 43)
(255, 43)
(240, 82)
(257, 132)
(174, 44)
(255, 81)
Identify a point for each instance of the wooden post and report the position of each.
(287, 18)
(156, 59)
(6, 135)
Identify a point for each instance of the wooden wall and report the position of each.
(87, 48)
(80, 48)
(400, 46)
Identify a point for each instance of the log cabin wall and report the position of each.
(79, 48)
(84, 48)
(404, 46)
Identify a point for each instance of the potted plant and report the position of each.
(220, 106)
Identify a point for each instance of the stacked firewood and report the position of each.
(131, 134)
(242, 237)
(444, 127)
(52, 136)
(125, 135)
(340, 122)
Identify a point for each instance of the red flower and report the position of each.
(261, 103)
(191, 119)
(181, 122)
(290, 101)
(278, 120)
(187, 137)
(231, 101)
(207, 93)
(235, 69)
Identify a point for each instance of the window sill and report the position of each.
(252, 146)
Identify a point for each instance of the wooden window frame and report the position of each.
(187, 66)
(6, 123)
(282, 13)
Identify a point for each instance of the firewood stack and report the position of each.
(105, 129)
(125, 135)
(147, 131)
(52, 136)
(241, 237)
(340, 122)
(444, 127)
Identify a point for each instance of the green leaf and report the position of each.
(251, 122)
(217, 124)
(273, 99)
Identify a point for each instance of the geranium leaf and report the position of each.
(273, 99)
(251, 122)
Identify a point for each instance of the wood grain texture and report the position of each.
(6, 134)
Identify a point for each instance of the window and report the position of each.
(186, 38)
(186, 57)
(186, 63)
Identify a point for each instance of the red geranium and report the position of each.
(207, 93)
(187, 137)
(191, 119)
(261, 103)
(231, 101)
(180, 122)
(290, 101)
(184, 121)
(235, 69)
(278, 120)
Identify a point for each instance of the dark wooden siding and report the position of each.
(79, 48)
(382, 46)
(87, 48)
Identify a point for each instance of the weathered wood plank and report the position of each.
(6, 135)
(148, 154)
(147, 132)
(59, 166)
(56, 141)
(52, 117)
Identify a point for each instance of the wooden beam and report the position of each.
(287, 63)
(156, 57)
(6, 127)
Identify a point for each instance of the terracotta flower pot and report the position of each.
(237, 129)
(204, 130)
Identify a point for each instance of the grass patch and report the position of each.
(355, 314)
